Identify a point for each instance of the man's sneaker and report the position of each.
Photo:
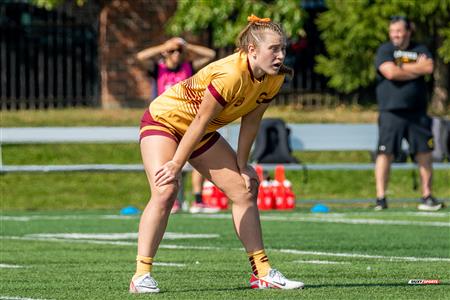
(274, 280)
(197, 208)
(430, 204)
(143, 284)
(381, 204)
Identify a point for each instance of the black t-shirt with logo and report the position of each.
(400, 95)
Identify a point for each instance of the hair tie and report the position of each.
(255, 19)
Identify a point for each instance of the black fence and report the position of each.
(47, 58)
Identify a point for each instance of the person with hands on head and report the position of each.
(181, 125)
(180, 60)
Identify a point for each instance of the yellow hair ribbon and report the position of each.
(254, 19)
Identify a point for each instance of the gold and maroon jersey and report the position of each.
(230, 81)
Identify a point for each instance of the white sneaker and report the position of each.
(143, 284)
(274, 280)
(198, 208)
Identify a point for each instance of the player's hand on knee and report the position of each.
(168, 173)
(250, 178)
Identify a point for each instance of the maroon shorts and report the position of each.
(151, 127)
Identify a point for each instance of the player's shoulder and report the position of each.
(229, 66)
(387, 46)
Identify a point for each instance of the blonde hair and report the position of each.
(254, 32)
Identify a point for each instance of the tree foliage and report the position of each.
(353, 30)
(51, 4)
(225, 19)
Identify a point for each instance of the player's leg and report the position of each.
(424, 161)
(389, 143)
(382, 171)
(197, 185)
(420, 138)
(155, 150)
(224, 173)
(198, 206)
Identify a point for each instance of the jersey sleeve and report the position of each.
(383, 55)
(224, 86)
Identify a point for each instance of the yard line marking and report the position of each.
(17, 298)
(323, 219)
(14, 218)
(356, 255)
(168, 264)
(121, 236)
(294, 215)
(322, 262)
(43, 239)
(8, 266)
(75, 217)
(291, 251)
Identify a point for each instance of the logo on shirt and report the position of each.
(239, 101)
(402, 57)
(263, 98)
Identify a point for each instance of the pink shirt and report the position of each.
(167, 77)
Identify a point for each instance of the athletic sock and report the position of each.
(143, 265)
(198, 198)
(259, 262)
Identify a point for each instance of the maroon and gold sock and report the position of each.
(259, 262)
(143, 265)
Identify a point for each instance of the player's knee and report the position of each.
(243, 196)
(165, 195)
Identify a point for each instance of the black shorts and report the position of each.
(413, 126)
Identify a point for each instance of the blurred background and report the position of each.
(73, 63)
(59, 54)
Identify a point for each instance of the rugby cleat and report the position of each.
(274, 280)
(143, 284)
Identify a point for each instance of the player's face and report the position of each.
(175, 56)
(270, 53)
(399, 35)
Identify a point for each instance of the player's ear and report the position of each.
(252, 50)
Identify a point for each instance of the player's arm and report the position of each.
(393, 72)
(408, 71)
(200, 55)
(423, 66)
(247, 134)
(150, 52)
(209, 109)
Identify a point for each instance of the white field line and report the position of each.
(121, 236)
(357, 255)
(17, 298)
(8, 266)
(169, 264)
(321, 262)
(295, 215)
(75, 217)
(332, 219)
(290, 251)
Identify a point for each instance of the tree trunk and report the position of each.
(439, 100)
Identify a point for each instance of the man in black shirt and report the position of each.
(402, 99)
